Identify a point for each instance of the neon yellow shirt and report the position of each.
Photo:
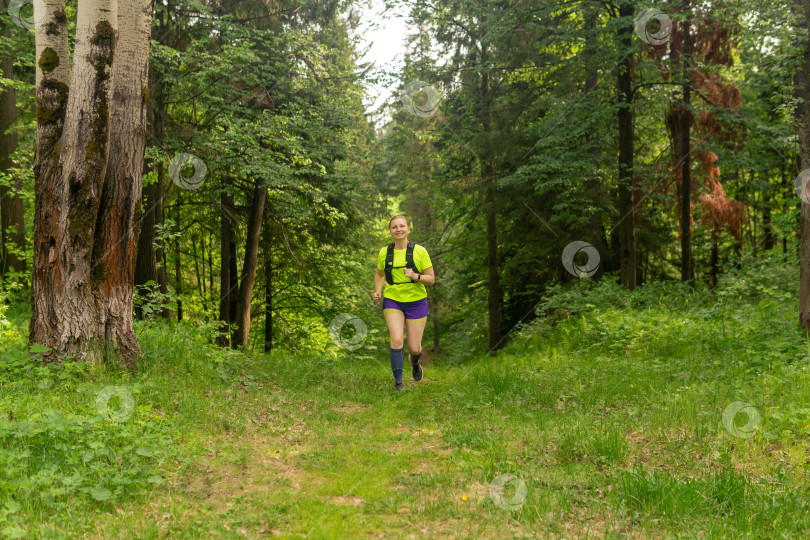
(408, 291)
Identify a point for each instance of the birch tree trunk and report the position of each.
(86, 212)
(120, 211)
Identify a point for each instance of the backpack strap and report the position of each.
(409, 256)
(389, 263)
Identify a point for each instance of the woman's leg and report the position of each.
(415, 328)
(395, 320)
(396, 328)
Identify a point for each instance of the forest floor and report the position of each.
(609, 424)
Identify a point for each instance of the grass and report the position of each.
(611, 421)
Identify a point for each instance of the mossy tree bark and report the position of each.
(88, 174)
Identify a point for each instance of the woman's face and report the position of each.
(399, 228)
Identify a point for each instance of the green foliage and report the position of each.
(611, 411)
(62, 447)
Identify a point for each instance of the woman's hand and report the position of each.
(411, 274)
(376, 296)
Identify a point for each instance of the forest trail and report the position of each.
(275, 456)
(672, 417)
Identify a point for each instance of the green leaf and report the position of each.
(38, 348)
(12, 507)
(143, 451)
(13, 532)
(100, 493)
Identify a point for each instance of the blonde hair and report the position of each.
(407, 222)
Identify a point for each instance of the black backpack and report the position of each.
(389, 263)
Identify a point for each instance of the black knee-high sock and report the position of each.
(397, 360)
(415, 357)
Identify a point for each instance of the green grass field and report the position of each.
(609, 421)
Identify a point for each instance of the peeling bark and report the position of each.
(87, 212)
(119, 218)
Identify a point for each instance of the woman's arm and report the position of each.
(379, 281)
(427, 277)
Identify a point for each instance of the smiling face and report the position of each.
(399, 228)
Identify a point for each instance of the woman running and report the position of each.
(406, 268)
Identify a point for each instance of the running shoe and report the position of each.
(416, 369)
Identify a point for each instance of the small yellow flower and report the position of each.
(463, 497)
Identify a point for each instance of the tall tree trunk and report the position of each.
(145, 261)
(12, 219)
(69, 174)
(593, 184)
(119, 221)
(714, 263)
(786, 206)
(626, 225)
(226, 292)
(249, 267)
(803, 17)
(160, 247)
(488, 181)
(150, 264)
(195, 257)
(52, 78)
(87, 212)
(767, 226)
(685, 157)
(178, 273)
(211, 293)
(268, 284)
(234, 288)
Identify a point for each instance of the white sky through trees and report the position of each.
(383, 34)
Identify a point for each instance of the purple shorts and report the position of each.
(412, 310)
